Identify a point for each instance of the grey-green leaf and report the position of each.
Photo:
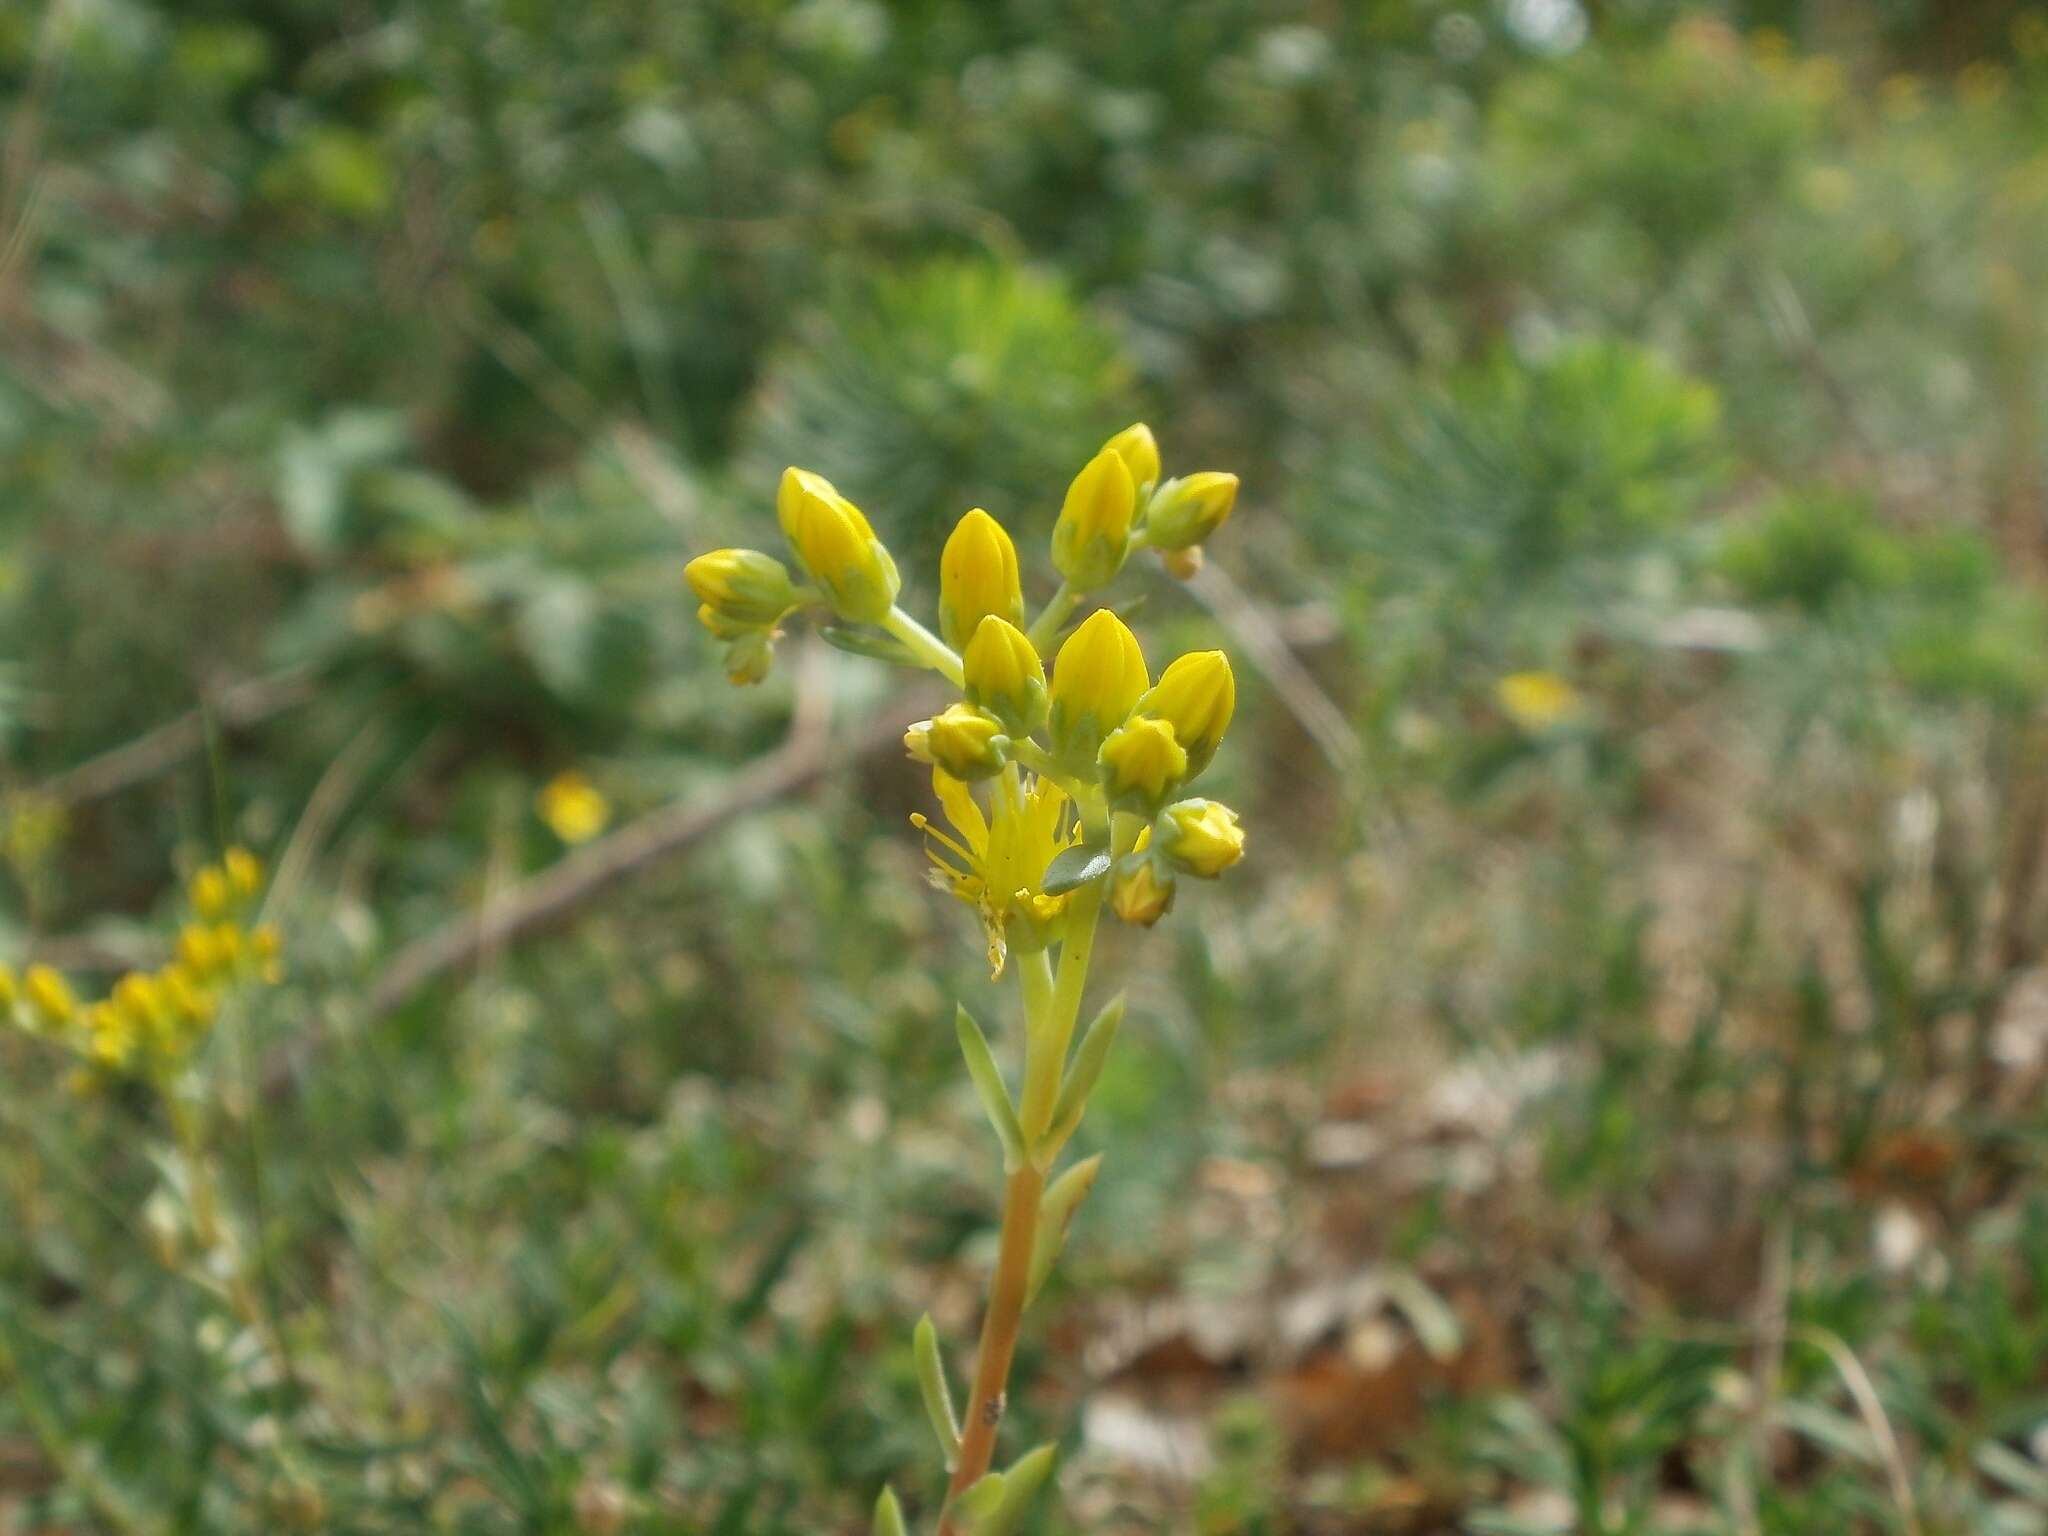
(1073, 869)
(1055, 1215)
(988, 1082)
(1084, 1071)
(888, 1514)
(1019, 1486)
(931, 1382)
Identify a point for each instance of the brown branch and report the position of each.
(234, 707)
(557, 893)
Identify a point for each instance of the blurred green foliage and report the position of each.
(366, 376)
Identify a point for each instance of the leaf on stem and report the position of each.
(988, 1082)
(995, 1505)
(931, 1382)
(1074, 868)
(888, 1514)
(1055, 1215)
(1084, 1072)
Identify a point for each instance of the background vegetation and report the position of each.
(1615, 1107)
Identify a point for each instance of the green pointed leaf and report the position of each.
(888, 1514)
(1084, 1072)
(988, 1082)
(1013, 1494)
(1435, 1324)
(861, 642)
(978, 1503)
(1073, 869)
(1055, 1215)
(931, 1382)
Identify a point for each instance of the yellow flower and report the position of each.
(963, 740)
(244, 871)
(1139, 450)
(1140, 762)
(10, 987)
(574, 808)
(1141, 887)
(742, 585)
(997, 866)
(837, 547)
(200, 953)
(1094, 527)
(977, 577)
(1098, 676)
(1536, 701)
(1004, 675)
(1202, 837)
(49, 994)
(1196, 695)
(1184, 512)
(210, 894)
(111, 1036)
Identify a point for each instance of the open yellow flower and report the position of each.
(997, 864)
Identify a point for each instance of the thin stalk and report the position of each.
(1058, 609)
(927, 647)
(1047, 1063)
(988, 1398)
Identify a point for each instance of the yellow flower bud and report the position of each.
(1098, 676)
(966, 742)
(1094, 528)
(139, 997)
(199, 952)
(1202, 837)
(1196, 695)
(10, 986)
(111, 1035)
(244, 871)
(1136, 446)
(1004, 675)
(1140, 762)
(742, 584)
(977, 577)
(1184, 512)
(837, 547)
(1182, 564)
(210, 894)
(187, 998)
(49, 994)
(748, 657)
(1141, 888)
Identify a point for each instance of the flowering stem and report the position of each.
(987, 1399)
(1055, 1031)
(1046, 627)
(927, 647)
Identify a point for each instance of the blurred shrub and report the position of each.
(951, 385)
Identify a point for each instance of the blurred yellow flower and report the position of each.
(1536, 701)
(573, 807)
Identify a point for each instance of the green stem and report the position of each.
(1046, 1064)
(1046, 627)
(1028, 752)
(927, 647)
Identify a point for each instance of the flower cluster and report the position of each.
(1084, 769)
(1065, 791)
(150, 1021)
